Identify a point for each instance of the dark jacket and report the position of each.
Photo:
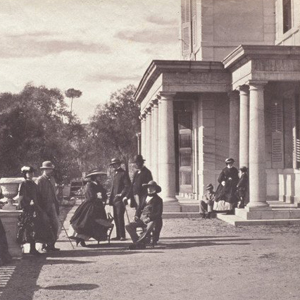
(140, 177)
(153, 209)
(91, 191)
(227, 192)
(242, 186)
(120, 186)
(46, 194)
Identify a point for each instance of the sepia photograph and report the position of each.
(149, 149)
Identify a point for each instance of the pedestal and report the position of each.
(9, 219)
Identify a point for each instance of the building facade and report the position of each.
(235, 93)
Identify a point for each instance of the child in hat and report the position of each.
(206, 205)
(242, 187)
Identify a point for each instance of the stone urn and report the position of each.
(9, 214)
(9, 187)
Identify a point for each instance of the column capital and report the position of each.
(154, 102)
(148, 110)
(243, 89)
(256, 84)
(166, 96)
(142, 117)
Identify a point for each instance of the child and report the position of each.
(242, 187)
(206, 205)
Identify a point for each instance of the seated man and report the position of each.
(206, 205)
(148, 215)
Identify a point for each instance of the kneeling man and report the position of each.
(148, 215)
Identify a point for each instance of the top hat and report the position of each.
(26, 169)
(115, 161)
(154, 184)
(47, 165)
(209, 187)
(229, 160)
(95, 172)
(138, 158)
(244, 169)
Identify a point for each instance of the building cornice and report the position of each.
(244, 53)
(158, 67)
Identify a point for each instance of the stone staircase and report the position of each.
(188, 209)
(281, 214)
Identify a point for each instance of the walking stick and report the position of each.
(63, 227)
(127, 214)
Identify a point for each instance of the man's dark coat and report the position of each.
(140, 177)
(120, 186)
(152, 209)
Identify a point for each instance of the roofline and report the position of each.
(246, 52)
(157, 67)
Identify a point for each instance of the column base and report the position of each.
(266, 214)
(251, 206)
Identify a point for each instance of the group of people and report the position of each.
(39, 220)
(231, 192)
(90, 219)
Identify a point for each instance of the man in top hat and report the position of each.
(48, 202)
(206, 205)
(120, 188)
(141, 176)
(148, 215)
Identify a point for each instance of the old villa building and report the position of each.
(236, 92)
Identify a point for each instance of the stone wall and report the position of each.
(223, 25)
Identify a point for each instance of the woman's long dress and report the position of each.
(33, 224)
(227, 194)
(89, 219)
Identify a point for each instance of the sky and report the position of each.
(96, 46)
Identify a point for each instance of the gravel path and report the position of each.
(196, 259)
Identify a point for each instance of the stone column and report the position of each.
(146, 142)
(143, 134)
(154, 133)
(257, 167)
(244, 126)
(166, 154)
(149, 137)
(234, 126)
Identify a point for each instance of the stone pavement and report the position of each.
(196, 259)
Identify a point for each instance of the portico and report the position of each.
(178, 101)
(194, 114)
(267, 78)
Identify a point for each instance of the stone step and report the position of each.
(269, 214)
(187, 205)
(280, 204)
(173, 215)
(237, 221)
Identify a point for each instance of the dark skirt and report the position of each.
(34, 226)
(226, 193)
(87, 220)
